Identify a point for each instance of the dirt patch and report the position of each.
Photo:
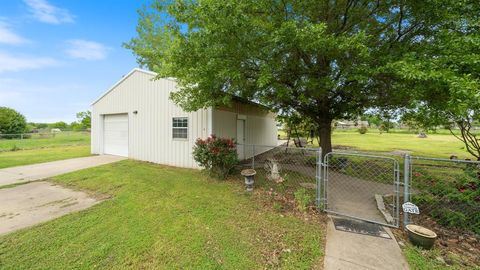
(455, 247)
(29, 204)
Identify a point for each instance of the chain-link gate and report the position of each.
(361, 186)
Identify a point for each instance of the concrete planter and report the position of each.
(420, 236)
(249, 175)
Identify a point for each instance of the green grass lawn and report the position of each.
(435, 145)
(36, 150)
(166, 218)
(60, 140)
(421, 259)
(441, 145)
(32, 156)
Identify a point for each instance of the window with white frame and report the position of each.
(180, 128)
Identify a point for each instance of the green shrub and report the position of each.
(362, 130)
(12, 122)
(448, 217)
(452, 202)
(216, 155)
(302, 199)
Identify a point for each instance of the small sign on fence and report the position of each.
(411, 208)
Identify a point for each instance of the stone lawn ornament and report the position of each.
(422, 135)
(272, 168)
(249, 175)
(411, 208)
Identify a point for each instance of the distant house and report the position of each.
(135, 118)
(346, 124)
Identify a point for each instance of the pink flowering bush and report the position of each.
(216, 155)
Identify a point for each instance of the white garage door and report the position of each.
(115, 132)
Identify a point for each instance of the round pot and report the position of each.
(420, 236)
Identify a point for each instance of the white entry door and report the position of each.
(241, 139)
(115, 134)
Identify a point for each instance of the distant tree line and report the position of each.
(13, 122)
(83, 123)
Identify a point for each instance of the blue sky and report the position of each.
(56, 57)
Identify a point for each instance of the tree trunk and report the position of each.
(325, 134)
(289, 134)
(298, 143)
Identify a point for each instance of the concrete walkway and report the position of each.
(345, 250)
(355, 197)
(20, 174)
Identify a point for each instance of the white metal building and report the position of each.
(136, 119)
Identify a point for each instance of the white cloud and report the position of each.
(7, 36)
(47, 13)
(44, 99)
(87, 50)
(10, 62)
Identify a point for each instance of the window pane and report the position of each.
(181, 133)
(184, 122)
(180, 122)
(180, 127)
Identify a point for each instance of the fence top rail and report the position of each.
(445, 160)
(361, 154)
(385, 155)
(282, 146)
(43, 133)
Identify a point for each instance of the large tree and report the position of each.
(445, 76)
(322, 59)
(11, 122)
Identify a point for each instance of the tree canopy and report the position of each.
(11, 121)
(321, 59)
(85, 119)
(446, 78)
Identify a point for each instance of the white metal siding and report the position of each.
(259, 129)
(150, 130)
(225, 124)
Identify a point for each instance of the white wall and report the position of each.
(260, 128)
(150, 130)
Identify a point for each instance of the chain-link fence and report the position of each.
(24, 136)
(370, 186)
(447, 193)
(14, 142)
(42, 135)
(287, 173)
(362, 186)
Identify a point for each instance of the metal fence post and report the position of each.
(318, 177)
(406, 187)
(253, 157)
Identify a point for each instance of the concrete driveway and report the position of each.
(20, 174)
(32, 203)
(29, 204)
